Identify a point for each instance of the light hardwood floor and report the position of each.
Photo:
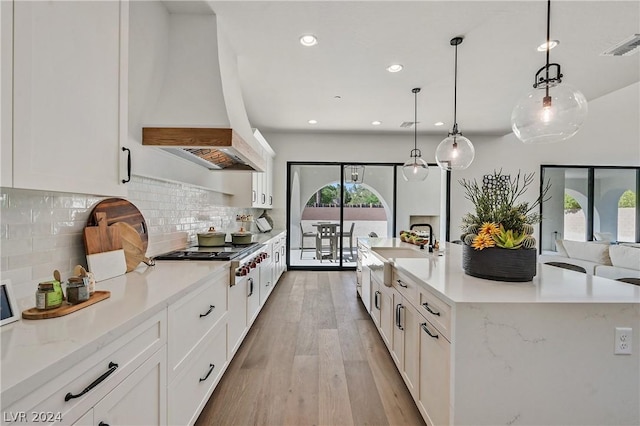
(313, 357)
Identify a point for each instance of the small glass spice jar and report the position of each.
(47, 296)
(77, 290)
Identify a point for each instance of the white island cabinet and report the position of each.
(481, 352)
(68, 68)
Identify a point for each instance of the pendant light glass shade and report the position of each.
(415, 169)
(455, 152)
(536, 120)
(552, 112)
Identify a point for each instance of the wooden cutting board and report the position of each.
(103, 245)
(101, 238)
(134, 251)
(121, 210)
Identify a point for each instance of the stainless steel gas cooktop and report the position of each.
(227, 252)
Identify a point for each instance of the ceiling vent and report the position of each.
(625, 48)
(408, 124)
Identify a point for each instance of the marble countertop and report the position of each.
(33, 350)
(443, 275)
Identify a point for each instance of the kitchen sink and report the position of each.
(399, 252)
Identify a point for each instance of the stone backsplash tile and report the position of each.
(41, 231)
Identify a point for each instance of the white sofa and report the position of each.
(597, 258)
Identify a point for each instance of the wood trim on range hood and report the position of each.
(214, 148)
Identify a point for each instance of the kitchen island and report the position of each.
(475, 351)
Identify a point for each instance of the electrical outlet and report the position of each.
(622, 344)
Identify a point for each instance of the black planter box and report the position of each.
(500, 264)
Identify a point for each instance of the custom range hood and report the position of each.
(199, 112)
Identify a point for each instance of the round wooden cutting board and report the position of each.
(121, 210)
(134, 251)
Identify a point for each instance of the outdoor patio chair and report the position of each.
(304, 235)
(350, 236)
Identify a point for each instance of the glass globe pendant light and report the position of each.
(415, 168)
(551, 112)
(455, 152)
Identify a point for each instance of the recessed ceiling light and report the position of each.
(394, 68)
(376, 123)
(438, 123)
(552, 44)
(312, 121)
(308, 40)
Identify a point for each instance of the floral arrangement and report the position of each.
(500, 220)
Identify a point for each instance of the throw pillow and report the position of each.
(625, 256)
(589, 251)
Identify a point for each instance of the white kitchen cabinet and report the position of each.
(279, 256)
(69, 96)
(397, 339)
(189, 392)
(411, 351)
(76, 391)
(191, 318)
(262, 186)
(375, 301)
(146, 387)
(253, 296)
(387, 318)
(266, 274)
(435, 375)
(237, 318)
(6, 93)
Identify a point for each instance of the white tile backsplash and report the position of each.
(41, 231)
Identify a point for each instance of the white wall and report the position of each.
(610, 136)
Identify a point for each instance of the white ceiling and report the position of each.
(285, 84)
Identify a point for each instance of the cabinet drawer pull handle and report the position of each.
(250, 287)
(128, 151)
(398, 316)
(401, 284)
(270, 200)
(211, 308)
(112, 367)
(254, 196)
(211, 367)
(426, 330)
(377, 300)
(264, 198)
(431, 311)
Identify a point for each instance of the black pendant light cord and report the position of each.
(415, 152)
(455, 42)
(548, 44)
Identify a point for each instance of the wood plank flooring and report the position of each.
(313, 357)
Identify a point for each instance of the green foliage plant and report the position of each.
(500, 204)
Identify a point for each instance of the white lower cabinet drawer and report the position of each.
(191, 389)
(193, 316)
(71, 394)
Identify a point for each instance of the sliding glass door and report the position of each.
(331, 205)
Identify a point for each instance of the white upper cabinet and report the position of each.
(260, 195)
(69, 96)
